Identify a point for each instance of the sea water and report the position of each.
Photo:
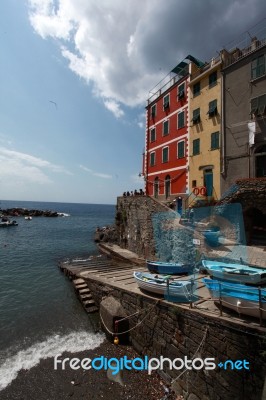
(40, 315)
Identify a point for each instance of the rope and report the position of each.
(203, 339)
(131, 329)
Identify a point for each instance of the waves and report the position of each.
(73, 342)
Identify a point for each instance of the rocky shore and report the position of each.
(43, 382)
(23, 212)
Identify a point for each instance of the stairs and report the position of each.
(84, 295)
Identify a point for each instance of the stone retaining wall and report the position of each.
(172, 331)
(134, 223)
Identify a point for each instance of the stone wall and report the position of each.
(152, 230)
(134, 223)
(172, 331)
(247, 192)
(251, 194)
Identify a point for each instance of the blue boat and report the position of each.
(243, 299)
(173, 290)
(235, 272)
(169, 268)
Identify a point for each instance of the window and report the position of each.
(181, 149)
(152, 135)
(258, 67)
(181, 91)
(196, 89)
(194, 183)
(196, 116)
(215, 141)
(166, 102)
(196, 147)
(212, 108)
(258, 105)
(181, 120)
(152, 159)
(153, 111)
(165, 127)
(165, 154)
(213, 79)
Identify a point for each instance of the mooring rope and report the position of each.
(201, 343)
(128, 317)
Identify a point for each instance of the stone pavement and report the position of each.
(253, 255)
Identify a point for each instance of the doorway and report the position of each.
(208, 181)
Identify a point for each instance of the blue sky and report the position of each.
(74, 78)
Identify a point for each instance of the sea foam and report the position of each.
(26, 359)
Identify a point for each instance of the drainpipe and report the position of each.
(146, 151)
(222, 124)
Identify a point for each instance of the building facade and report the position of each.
(205, 131)
(165, 167)
(244, 101)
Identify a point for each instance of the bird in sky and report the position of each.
(53, 102)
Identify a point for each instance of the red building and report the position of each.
(165, 166)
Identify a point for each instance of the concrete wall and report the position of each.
(172, 331)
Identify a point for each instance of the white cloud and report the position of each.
(123, 48)
(113, 106)
(94, 173)
(25, 167)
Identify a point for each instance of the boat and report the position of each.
(28, 218)
(243, 299)
(175, 290)
(161, 267)
(212, 236)
(235, 272)
(5, 223)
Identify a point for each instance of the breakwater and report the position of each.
(23, 212)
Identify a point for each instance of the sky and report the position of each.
(74, 79)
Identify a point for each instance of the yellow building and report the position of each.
(205, 131)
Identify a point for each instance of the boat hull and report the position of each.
(235, 272)
(160, 267)
(179, 290)
(240, 298)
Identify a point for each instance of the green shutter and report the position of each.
(181, 149)
(196, 116)
(196, 89)
(181, 119)
(165, 127)
(165, 154)
(212, 108)
(215, 141)
(196, 147)
(213, 79)
(166, 101)
(152, 159)
(258, 67)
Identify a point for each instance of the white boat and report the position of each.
(174, 290)
(235, 272)
(28, 217)
(6, 222)
(243, 299)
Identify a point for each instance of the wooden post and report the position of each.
(220, 300)
(260, 305)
